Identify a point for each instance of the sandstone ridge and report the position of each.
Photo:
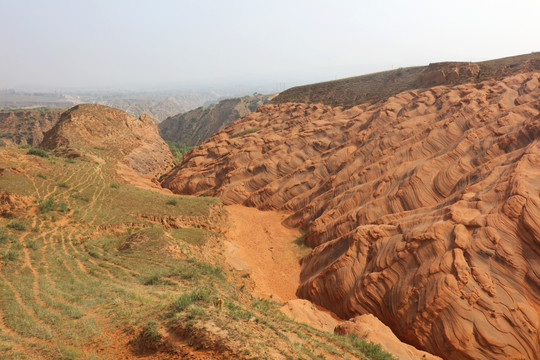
(422, 209)
(379, 86)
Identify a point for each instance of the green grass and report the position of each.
(17, 225)
(172, 202)
(38, 152)
(244, 132)
(47, 205)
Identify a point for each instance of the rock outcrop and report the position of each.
(423, 209)
(133, 143)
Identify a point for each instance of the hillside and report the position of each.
(133, 144)
(379, 86)
(26, 126)
(421, 209)
(195, 126)
(93, 267)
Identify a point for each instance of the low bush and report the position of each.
(17, 225)
(47, 205)
(38, 152)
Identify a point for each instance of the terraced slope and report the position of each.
(422, 209)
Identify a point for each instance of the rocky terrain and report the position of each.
(422, 209)
(379, 86)
(134, 143)
(195, 126)
(26, 126)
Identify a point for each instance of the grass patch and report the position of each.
(371, 350)
(47, 205)
(201, 294)
(172, 202)
(17, 225)
(38, 152)
(245, 132)
(192, 236)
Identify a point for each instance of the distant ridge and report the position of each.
(195, 126)
(379, 86)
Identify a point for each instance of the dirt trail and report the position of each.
(259, 244)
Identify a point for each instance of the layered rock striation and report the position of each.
(422, 209)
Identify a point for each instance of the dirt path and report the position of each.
(259, 244)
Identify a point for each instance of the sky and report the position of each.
(160, 44)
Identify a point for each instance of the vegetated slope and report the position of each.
(379, 86)
(94, 268)
(26, 126)
(422, 209)
(195, 126)
(133, 142)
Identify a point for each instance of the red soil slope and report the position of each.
(423, 210)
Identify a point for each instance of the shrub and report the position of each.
(114, 186)
(63, 185)
(63, 207)
(38, 152)
(41, 176)
(4, 235)
(172, 202)
(12, 255)
(47, 205)
(17, 225)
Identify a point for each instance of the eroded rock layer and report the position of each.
(423, 210)
(134, 142)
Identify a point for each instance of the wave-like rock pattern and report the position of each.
(423, 209)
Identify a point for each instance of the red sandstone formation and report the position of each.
(423, 209)
(135, 143)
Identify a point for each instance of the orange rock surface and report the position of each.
(135, 143)
(423, 209)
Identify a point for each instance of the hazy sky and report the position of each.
(179, 43)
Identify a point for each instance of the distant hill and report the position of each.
(159, 105)
(195, 126)
(26, 126)
(379, 86)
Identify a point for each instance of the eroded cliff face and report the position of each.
(26, 126)
(134, 143)
(423, 210)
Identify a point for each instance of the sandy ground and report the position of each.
(260, 245)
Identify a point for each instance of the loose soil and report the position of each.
(258, 243)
